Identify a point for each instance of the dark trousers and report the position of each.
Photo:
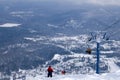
(49, 74)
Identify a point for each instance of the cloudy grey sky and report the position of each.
(78, 2)
(96, 2)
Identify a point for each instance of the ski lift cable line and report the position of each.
(112, 25)
(109, 28)
(112, 34)
(115, 22)
(104, 30)
(109, 13)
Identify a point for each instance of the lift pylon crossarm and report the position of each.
(93, 36)
(104, 36)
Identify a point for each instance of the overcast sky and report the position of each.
(96, 2)
(78, 2)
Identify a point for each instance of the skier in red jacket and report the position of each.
(50, 70)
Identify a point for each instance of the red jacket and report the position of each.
(50, 69)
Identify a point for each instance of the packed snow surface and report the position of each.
(105, 76)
